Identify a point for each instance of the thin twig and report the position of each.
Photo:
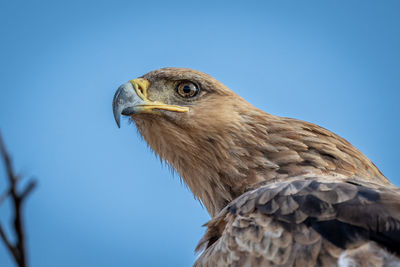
(7, 242)
(4, 196)
(17, 249)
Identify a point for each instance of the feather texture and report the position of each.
(306, 222)
(280, 191)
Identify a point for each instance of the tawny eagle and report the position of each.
(280, 191)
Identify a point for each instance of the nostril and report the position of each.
(140, 86)
(141, 89)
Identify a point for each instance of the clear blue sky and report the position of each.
(103, 199)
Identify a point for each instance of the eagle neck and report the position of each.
(221, 162)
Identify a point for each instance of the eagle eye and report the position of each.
(187, 89)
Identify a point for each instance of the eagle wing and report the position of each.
(306, 222)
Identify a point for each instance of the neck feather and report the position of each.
(221, 162)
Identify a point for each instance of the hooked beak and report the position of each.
(131, 98)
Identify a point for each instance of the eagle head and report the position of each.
(221, 145)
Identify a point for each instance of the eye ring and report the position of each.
(187, 89)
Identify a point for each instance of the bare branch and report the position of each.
(7, 242)
(4, 196)
(17, 250)
(7, 162)
(28, 189)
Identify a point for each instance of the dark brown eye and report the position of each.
(187, 89)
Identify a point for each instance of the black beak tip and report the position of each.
(124, 102)
(117, 115)
(118, 121)
(116, 109)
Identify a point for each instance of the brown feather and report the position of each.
(272, 232)
(277, 188)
